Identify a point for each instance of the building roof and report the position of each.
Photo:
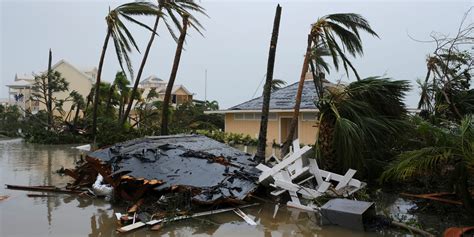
(22, 83)
(284, 99)
(24, 76)
(151, 79)
(175, 88)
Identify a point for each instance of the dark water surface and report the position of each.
(64, 215)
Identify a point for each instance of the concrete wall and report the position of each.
(306, 129)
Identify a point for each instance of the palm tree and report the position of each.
(211, 105)
(79, 103)
(172, 7)
(324, 33)
(442, 149)
(268, 87)
(277, 84)
(174, 71)
(358, 120)
(122, 39)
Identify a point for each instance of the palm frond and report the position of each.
(353, 21)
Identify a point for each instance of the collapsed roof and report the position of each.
(220, 171)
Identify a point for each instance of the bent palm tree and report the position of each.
(359, 118)
(179, 7)
(122, 39)
(326, 32)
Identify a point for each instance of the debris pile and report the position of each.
(306, 182)
(167, 176)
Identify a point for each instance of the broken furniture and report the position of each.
(292, 176)
(347, 213)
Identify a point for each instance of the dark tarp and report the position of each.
(219, 170)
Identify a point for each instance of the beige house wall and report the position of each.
(77, 81)
(306, 129)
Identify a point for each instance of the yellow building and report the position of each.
(245, 117)
(80, 80)
(179, 93)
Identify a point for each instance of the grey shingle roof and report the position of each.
(284, 98)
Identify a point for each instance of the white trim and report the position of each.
(258, 111)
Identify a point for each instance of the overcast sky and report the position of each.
(234, 48)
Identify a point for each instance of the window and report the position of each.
(310, 116)
(253, 116)
(272, 116)
(249, 116)
(238, 116)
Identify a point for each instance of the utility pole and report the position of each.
(205, 85)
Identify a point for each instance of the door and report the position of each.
(285, 128)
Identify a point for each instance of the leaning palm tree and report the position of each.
(123, 42)
(326, 31)
(174, 71)
(172, 8)
(358, 120)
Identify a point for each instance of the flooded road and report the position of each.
(65, 215)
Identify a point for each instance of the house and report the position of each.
(245, 118)
(80, 80)
(179, 93)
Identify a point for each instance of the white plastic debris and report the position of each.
(102, 189)
(83, 148)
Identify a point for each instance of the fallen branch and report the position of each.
(43, 189)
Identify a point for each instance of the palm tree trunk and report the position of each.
(424, 93)
(267, 89)
(97, 87)
(124, 116)
(109, 98)
(75, 117)
(174, 71)
(294, 120)
(49, 104)
(324, 143)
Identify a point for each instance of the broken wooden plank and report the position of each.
(131, 227)
(244, 216)
(42, 189)
(4, 197)
(135, 206)
(345, 180)
(284, 163)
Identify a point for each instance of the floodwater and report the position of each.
(64, 215)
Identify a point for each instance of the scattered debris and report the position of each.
(182, 217)
(244, 216)
(435, 197)
(290, 175)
